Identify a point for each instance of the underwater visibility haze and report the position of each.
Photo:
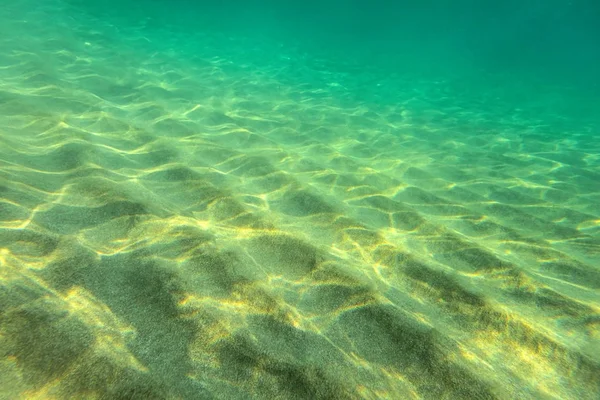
(300, 200)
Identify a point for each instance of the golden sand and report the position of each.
(201, 229)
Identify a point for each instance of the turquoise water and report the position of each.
(311, 200)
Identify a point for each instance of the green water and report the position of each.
(310, 200)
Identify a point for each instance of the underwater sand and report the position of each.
(186, 227)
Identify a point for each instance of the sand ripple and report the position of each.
(198, 228)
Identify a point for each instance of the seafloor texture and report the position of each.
(178, 227)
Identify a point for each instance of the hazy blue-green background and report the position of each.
(558, 40)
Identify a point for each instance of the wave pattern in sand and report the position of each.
(197, 228)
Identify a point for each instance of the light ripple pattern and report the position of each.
(176, 224)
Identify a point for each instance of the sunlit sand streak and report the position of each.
(567, 283)
(73, 303)
(241, 308)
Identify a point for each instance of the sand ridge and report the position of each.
(201, 228)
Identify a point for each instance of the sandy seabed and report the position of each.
(183, 228)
